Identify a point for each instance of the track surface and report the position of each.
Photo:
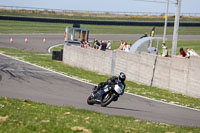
(24, 81)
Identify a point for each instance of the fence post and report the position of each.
(113, 63)
(154, 68)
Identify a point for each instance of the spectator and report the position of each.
(145, 35)
(86, 44)
(122, 45)
(102, 45)
(165, 51)
(152, 50)
(81, 44)
(108, 45)
(152, 33)
(182, 52)
(126, 47)
(190, 52)
(96, 44)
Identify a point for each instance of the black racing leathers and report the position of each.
(111, 81)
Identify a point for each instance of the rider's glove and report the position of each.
(109, 81)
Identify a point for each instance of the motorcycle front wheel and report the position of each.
(107, 99)
(90, 100)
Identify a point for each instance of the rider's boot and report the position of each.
(98, 95)
(95, 89)
(116, 98)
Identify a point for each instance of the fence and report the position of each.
(96, 22)
(177, 74)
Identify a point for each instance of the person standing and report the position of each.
(165, 51)
(152, 33)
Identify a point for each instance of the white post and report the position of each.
(166, 16)
(176, 27)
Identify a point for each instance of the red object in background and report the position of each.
(182, 52)
(26, 40)
(65, 37)
(44, 40)
(11, 40)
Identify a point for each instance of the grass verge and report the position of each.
(143, 90)
(17, 116)
(39, 27)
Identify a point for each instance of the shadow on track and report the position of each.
(119, 108)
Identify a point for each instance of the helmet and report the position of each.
(122, 77)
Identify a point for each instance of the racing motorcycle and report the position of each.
(111, 93)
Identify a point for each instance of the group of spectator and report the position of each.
(102, 45)
(189, 52)
(124, 46)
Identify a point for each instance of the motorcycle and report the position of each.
(111, 93)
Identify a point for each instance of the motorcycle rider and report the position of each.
(111, 81)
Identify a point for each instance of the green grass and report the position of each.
(17, 116)
(30, 27)
(92, 77)
(58, 48)
(39, 27)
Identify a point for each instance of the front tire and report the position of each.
(90, 100)
(107, 99)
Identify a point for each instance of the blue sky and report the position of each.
(188, 6)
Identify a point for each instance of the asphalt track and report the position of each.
(24, 81)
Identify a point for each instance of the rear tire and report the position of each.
(110, 98)
(90, 100)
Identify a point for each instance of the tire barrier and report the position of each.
(57, 55)
(96, 22)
